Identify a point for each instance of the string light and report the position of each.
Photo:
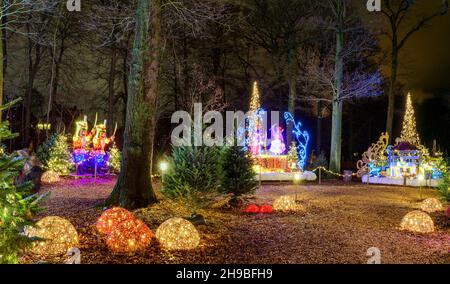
(58, 236)
(418, 222)
(431, 205)
(129, 236)
(409, 129)
(111, 218)
(285, 203)
(50, 177)
(177, 234)
(255, 103)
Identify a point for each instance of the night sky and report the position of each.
(424, 70)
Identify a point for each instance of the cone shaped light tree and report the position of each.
(409, 130)
(255, 100)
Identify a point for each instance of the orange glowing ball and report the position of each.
(129, 236)
(111, 218)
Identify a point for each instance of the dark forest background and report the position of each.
(68, 64)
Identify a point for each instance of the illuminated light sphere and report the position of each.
(251, 208)
(50, 177)
(418, 222)
(111, 218)
(177, 234)
(129, 236)
(58, 236)
(266, 209)
(285, 203)
(431, 205)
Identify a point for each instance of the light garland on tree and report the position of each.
(409, 130)
(417, 222)
(177, 234)
(255, 100)
(115, 157)
(57, 234)
(60, 159)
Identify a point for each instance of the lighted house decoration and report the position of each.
(271, 158)
(405, 163)
(91, 148)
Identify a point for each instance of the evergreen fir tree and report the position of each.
(193, 176)
(292, 156)
(55, 155)
(115, 157)
(16, 209)
(238, 174)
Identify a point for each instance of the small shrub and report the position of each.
(193, 176)
(54, 154)
(238, 175)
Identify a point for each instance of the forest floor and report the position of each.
(338, 223)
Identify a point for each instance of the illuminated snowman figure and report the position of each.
(277, 145)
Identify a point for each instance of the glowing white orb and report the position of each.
(418, 222)
(50, 177)
(431, 205)
(285, 203)
(57, 234)
(177, 234)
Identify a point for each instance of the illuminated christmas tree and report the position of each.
(255, 123)
(292, 156)
(409, 130)
(255, 100)
(115, 157)
(60, 159)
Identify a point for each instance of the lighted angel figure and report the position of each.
(277, 146)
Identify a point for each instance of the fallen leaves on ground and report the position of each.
(339, 223)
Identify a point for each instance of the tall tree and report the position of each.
(396, 12)
(343, 74)
(134, 186)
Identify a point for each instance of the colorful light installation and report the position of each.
(277, 145)
(302, 137)
(90, 147)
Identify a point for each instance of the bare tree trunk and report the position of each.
(336, 123)
(111, 85)
(2, 58)
(392, 83)
(319, 127)
(134, 186)
(292, 91)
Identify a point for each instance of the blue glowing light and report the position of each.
(302, 137)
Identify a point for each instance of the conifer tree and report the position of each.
(16, 209)
(238, 174)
